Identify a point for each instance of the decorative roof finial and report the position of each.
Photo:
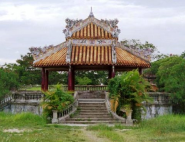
(91, 13)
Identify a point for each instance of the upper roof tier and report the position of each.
(92, 31)
(91, 28)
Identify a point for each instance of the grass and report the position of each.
(168, 128)
(36, 129)
(35, 88)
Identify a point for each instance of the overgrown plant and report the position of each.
(132, 91)
(56, 99)
(170, 77)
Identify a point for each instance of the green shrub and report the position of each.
(56, 99)
(131, 89)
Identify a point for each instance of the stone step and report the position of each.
(91, 104)
(92, 122)
(92, 107)
(90, 119)
(91, 95)
(93, 111)
(92, 116)
(91, 100)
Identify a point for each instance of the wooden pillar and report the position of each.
(73, 79)
(113, 72)
(140, 71)
(43, 80)
(46, 80)
(109, 73)
(70, 79)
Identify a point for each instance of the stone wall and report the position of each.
(25, 101)
(161, 105)
(29, 101)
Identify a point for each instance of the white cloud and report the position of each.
(5, 60)
(39, 23)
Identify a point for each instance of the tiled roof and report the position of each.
(91, 55)
(92, 31)
(124, 58)
(55, 59)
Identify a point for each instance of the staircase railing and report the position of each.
(61, 116)
(108, 106)
(6, 101)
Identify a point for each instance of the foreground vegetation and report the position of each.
(29, 127)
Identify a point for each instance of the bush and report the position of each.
(131, 89)
(8, 81)
(56, 100)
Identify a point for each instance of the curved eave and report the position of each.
(124, 58)
(56, 59)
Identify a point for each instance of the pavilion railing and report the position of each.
(87, 87)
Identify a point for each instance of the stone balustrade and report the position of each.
(88, 87)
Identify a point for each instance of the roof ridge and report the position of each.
(42, 53)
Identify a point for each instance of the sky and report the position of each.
(38, 23)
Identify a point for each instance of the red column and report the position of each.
(43, 80)
(73, 79)
(140, 71)
(113, 72)
(70, 79)
(46, 80)
(109, 74)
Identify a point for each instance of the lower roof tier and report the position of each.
(92, 55)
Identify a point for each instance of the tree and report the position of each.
(170, 77)
(58, 77)
(83, 80)
(147, 48)
(8, 81)
(183, 54)
(96, 77)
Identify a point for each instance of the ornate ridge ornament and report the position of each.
(70, 23)
(41, 53)
(91, 13)
(87, 42)
(112, 23)
(114, 58)
(69, 50)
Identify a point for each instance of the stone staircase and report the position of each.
(4, 102)
(91, 110)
